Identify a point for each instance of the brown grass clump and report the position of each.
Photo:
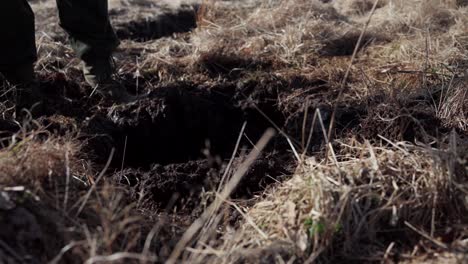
(44, 191)
(28, 161)
(452, 107)
(279, 31)
(374, 202)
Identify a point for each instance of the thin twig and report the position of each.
(426, 236)
(67, 179)
(228, 168)
(11, 251)
(123, 161)
(65, 249)
(348, 71)
(120, 256)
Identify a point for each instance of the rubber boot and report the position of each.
(97, 71)
(98, 74)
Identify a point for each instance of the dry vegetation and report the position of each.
(369, 100)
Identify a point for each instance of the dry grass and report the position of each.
(359, 208)
(28, 161)
(45, 181)
(369, 196)
(376, 202)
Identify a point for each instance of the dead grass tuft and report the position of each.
(361, 208)
(452, 107)
(33, 162)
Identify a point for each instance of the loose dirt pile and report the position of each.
(368, 162)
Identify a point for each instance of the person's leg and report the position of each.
(91, 36)
(17, 45)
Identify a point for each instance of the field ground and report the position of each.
(366, 161)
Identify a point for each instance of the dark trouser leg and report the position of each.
(87, 23)
(17, 37)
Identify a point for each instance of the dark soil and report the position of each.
(31, 232)
(187, 180)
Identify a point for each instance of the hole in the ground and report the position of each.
(163, 136)
(158, 26)
(175, 124)
(160, 139)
